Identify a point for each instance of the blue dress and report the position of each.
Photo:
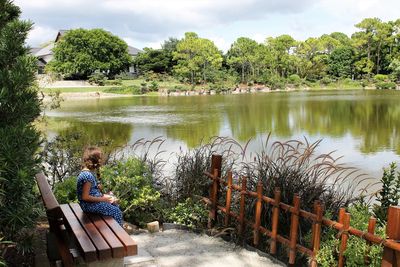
(103, 208)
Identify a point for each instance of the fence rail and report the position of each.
(391, 254)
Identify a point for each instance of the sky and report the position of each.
(147, 23)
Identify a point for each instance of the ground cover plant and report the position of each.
(137, 175)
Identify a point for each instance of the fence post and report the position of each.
(214, 198)
(216, 165)
(228, 199)
(391, 258)
(316, 236)
(275, 220)
(242, 206)
(258, 214)
(294, 228)
(344, 236)
(371, 230)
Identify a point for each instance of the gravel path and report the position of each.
(178, 248)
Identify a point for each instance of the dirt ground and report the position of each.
(179, 248)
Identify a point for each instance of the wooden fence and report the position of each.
(391, 253)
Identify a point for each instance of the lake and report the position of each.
(363, 126)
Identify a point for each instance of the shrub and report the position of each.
(190, 213)
(131, 182)
(65, 191)
(97, 78)
(356, 247)
(386, 85)
(381, 78)
(276, 82)
(325, 81)
(128, 89)
(153, 86)
(295, 80)
(20, 140)
(117, 81)
(143, 87)
(389, 194)
(63, 154)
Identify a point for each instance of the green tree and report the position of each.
(81, 52)
(341, 62)
(242, 55)
(280, 48)
(19, 107)
(196, 56)
(395, 67)
(155, 60)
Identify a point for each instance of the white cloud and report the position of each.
(149, 22)
(41, 34)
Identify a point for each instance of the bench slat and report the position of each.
(84, 242)
(129, 244)
(118, 250)
(103, 249)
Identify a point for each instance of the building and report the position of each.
(45, 54)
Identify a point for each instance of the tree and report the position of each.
(19, 107)
(242, 55)
(280, 48)
(156, 60)
(196, 56)
(341, 62)
(82, 52)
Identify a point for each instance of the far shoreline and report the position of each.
(162, 93)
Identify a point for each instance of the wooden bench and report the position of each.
(83, 238)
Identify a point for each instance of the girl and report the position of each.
(88, 188)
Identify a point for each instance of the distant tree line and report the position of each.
(373, 50)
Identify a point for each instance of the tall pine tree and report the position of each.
(19, 140)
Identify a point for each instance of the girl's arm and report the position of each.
(88, 198)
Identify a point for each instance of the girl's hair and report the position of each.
(92, 158)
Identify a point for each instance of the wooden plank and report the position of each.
(103, 249)
(228, 199)
(294, 228)
(117, 248)
(256, 232)
(242, 207)
(48, 197)
(343, 238)
(129, 244)
(85, 244)
(275, 221)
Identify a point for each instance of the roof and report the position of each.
(60, 34)
(47, 50)
(133, 51)
(34, 50)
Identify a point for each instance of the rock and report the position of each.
(129, 228)
(153, 227)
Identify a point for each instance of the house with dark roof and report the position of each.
(45, 54)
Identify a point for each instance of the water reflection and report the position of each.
(364, 123)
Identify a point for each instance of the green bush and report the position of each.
(131, 182)
(295, 80)
(275, 82)
(356, 247)
(128, 89)
(153, 86)
(381, 78)
(386, 85)
(389, 194)
(65, 191)
(190, 213)
(20, 141)
(98, 78)
(325, 81)
(117, 81)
